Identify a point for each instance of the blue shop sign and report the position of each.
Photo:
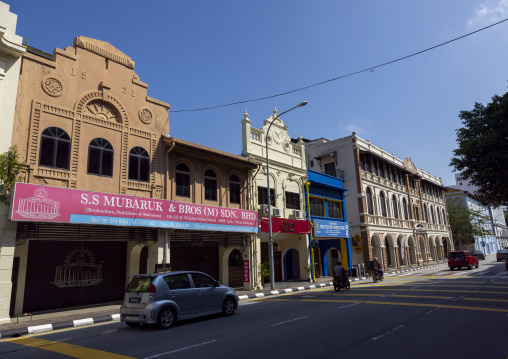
(330, 228)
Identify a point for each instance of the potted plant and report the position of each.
(264, 272)
(308, 269)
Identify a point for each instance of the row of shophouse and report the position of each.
(108, 192)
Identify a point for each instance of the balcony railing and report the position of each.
(335, 173)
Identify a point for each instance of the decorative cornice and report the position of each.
(104, 49)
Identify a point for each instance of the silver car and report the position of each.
(164, 298)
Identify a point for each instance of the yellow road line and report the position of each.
(487, 299)
(71, 350)
(411, 305)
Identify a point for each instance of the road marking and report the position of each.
(431, 311)
(179, 350)
(387, 295)
(501, 310)
(458, 298)
(350, 305)
(289, 321)
(488, 300)
(71, 350)
(388, 332)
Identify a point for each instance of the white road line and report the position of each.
(350, 305)
(388, 332)
(431, 311)
(288, 321)
(458, 298)
(417, 287)
(178, 350)
(387, 295)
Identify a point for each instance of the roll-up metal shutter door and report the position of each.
(62, 274)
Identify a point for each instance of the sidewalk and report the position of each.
(45, 322)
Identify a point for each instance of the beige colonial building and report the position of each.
(107, 192)
(399, 211)
(287, 178)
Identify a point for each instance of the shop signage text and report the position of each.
(52, 204)
(286, 225)
(330, 228)
(246, 271)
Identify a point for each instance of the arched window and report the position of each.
(139, 164)
(432, 213)
(383, 204)
(444, 216)
(404, 207)
(182, 180)
(426, 213)
(370, 206)
(438, 216)
(210, 185)
(394, 205)
(234, 189)
(55, 148)
(100, 158)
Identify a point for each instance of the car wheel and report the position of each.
(348, 285)
(477, 265)
(451, 268)
(131, 324)
(166, 318)
(228, 308)
(470, 267)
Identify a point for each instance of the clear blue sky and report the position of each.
(196, 54)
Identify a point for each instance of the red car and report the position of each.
(459, 259)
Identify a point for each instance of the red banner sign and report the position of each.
(286, 225)
(53, 204)
(246, 271)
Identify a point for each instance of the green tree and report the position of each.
(467, 225)
(10, 168)
(482, 156)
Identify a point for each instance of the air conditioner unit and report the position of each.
(263, 210)
(298, 213)
(277, 212)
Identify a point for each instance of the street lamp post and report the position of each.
(270, 237)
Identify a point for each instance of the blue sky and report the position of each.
(196, 54)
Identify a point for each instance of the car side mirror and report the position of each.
(216, 283)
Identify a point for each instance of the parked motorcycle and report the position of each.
(341, 283)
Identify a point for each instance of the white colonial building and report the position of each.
(288, 173)
(397, 210)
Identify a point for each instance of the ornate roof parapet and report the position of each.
(104, 49)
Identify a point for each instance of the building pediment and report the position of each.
(409, 165)
(104, 49)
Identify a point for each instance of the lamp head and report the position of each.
(301, 104)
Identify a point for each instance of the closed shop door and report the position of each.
(62, 274)
(204, 259)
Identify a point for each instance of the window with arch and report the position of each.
(426, 213)
(438, 216)
(444, 216)
(394, 205)
(55, 148)
(182, 180)
(234, 189)
(383, 204)
(139, 164)
(370, 202)
(432, 213)
(210, 185)
(100, 158)
(404, 207)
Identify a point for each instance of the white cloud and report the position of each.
(358, 125)
(490, 12)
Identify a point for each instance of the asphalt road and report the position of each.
(434, 313)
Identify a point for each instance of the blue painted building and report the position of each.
(325, 207)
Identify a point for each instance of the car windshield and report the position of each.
(139, 284)
(503, 251)
(457, 255)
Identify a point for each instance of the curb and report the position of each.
(13, 333)
(284, 291)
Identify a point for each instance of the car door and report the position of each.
(209, 297)
(181, 292)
